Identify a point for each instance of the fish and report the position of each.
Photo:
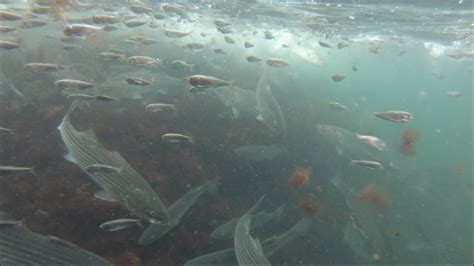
(270, 246)
(102, 168)
(157, 107)
(225, 30)
(73, 84)
(247, 249)
(6, 130)
(222, 23)
(70, 47)
(368, 164)
(182, 65)
(355, 68)
(177, 138)
(395, 116)
(341, 45)
(338, 77)
(6, 45)
(270, 112)
(172, 33)
(276, 62)
(253, 59)
(43, 67)
(140, 9)
(219, 51)
(372, 141)
(149, 41)
(135, 22)
(142, 60)
(20, 246)
(6, 15)
(337, 106)
(325, 44)
(374, 50)
(229, 39)
(194, 46)
(32, 23)
(119, 224)
(268, 35)
(105, 19)
(248, 45)
(226, 230)
(202, 81)
(126, 187)
(104, 98)
(80, 29)
(81, 97)
(454, 93)
(5, 29)
(14, 169)
(176, 212)
(108, 56)
(137, 81)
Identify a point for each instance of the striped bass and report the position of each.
(20, 246)
(126, 186)
(176, 212)
(247, 249)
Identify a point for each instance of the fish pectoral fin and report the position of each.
(103, 195)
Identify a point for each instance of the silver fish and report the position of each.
(133, 23)
(276, 62)
(12, 169)
(82, 97)
(6, 130)
(176, 212)
(270, 246)
(226, 230)
(108, 56)
(6, 15)
(247, 249)
(182, 65)
(73, 84)
(105, 98)
(368, 164)
(6, 45)
(80, 29)
(5, 29)
(373, 141)
(177, 138)
(248, 45)
(171, 33)
(128, 188)
(139, 60)
(43, 67)
(253, 59)
(157, 107)
(337, 106)
(119, 224)
(338, 77)
(202, 81)
(454, 93)
(137, 81)
(105, 19)
(140, 9)
(325, 44)
(20, 246)
(32, 23)
(229, 39)
(395, 116)
(270, 111)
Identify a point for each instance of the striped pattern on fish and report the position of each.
(247, 249)
(126, 186)
(20, 246)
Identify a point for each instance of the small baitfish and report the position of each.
(73, 84)
(119, 224)
(368, 164)
(177, 138)
(158, 107)
(395, 116)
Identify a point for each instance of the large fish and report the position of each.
(269, 109)
(248, 250)
(126, 186)
(226, 230)
(270, 246)
(176, 212)
(20, 246)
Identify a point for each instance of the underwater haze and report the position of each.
(236, 132)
